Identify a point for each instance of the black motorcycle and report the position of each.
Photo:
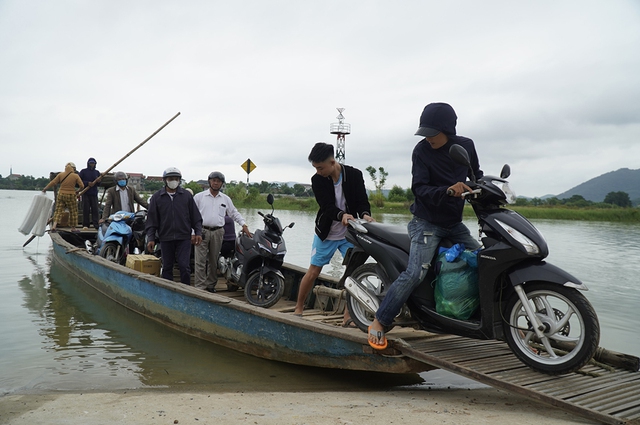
(533, 305)
(257, 261)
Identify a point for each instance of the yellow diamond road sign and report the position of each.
(248, 166)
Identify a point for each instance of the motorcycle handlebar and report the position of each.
(450, 192)
(473, 192)
(357, 225)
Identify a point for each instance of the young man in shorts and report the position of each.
(340, 192)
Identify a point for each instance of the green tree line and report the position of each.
(23, 183)
(238, 191)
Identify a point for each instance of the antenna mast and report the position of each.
(341, 129)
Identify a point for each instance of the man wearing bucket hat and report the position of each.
(437, 183)
(66, 198)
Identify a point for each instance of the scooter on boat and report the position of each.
(533, 305)
(257, 262)
(115, 236)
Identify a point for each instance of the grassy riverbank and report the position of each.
(618, 215)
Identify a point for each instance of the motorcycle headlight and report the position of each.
(530, 247)
(509, 194)
(264, 248)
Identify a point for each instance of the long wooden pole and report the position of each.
(114, 165)
(130, 152)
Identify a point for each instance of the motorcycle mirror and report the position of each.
(291, 225)
(270, 199)
(461, 156)
(506, 171)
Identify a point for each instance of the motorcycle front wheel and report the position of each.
(571, 328)
(366, 274)
(112, 251)
(266, 292)
(224, 267)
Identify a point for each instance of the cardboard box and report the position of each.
(144, 263)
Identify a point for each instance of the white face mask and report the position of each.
(173, 184)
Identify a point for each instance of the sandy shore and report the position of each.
(459, 407)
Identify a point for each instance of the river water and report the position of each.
(58, 335)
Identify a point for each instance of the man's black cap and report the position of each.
(437, 118)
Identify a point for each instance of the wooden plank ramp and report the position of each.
(598, 391)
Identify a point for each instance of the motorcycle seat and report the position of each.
(394, 235)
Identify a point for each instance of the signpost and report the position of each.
(248, 166)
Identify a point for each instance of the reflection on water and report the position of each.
(95, 343)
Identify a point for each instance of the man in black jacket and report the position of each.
(90, 211)
(340, 192)
(175, 219)
(437, 183)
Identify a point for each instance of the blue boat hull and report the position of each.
(228, 322)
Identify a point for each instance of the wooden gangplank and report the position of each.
(598, 391)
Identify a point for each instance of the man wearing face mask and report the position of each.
(120, 197)
(172, 219)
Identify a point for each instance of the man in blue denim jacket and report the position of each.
(437, 183)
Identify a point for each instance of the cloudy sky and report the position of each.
(550, 87)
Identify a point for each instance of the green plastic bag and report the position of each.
(456, 286)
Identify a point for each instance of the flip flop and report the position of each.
(349, 324)
(379, 335)
(297, 315)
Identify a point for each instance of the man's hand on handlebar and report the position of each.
(458, 189)
(368, 218)
(345, 219)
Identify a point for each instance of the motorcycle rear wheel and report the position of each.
(112, 251)
(266, 293)
(359, 314)
(572, 331)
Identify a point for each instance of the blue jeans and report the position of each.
(425, 238)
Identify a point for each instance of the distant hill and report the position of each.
(622, 180)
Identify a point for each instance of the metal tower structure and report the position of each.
(341, 129)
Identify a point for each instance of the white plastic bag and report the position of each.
(37, 216)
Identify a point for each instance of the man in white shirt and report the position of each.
(213, 206)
